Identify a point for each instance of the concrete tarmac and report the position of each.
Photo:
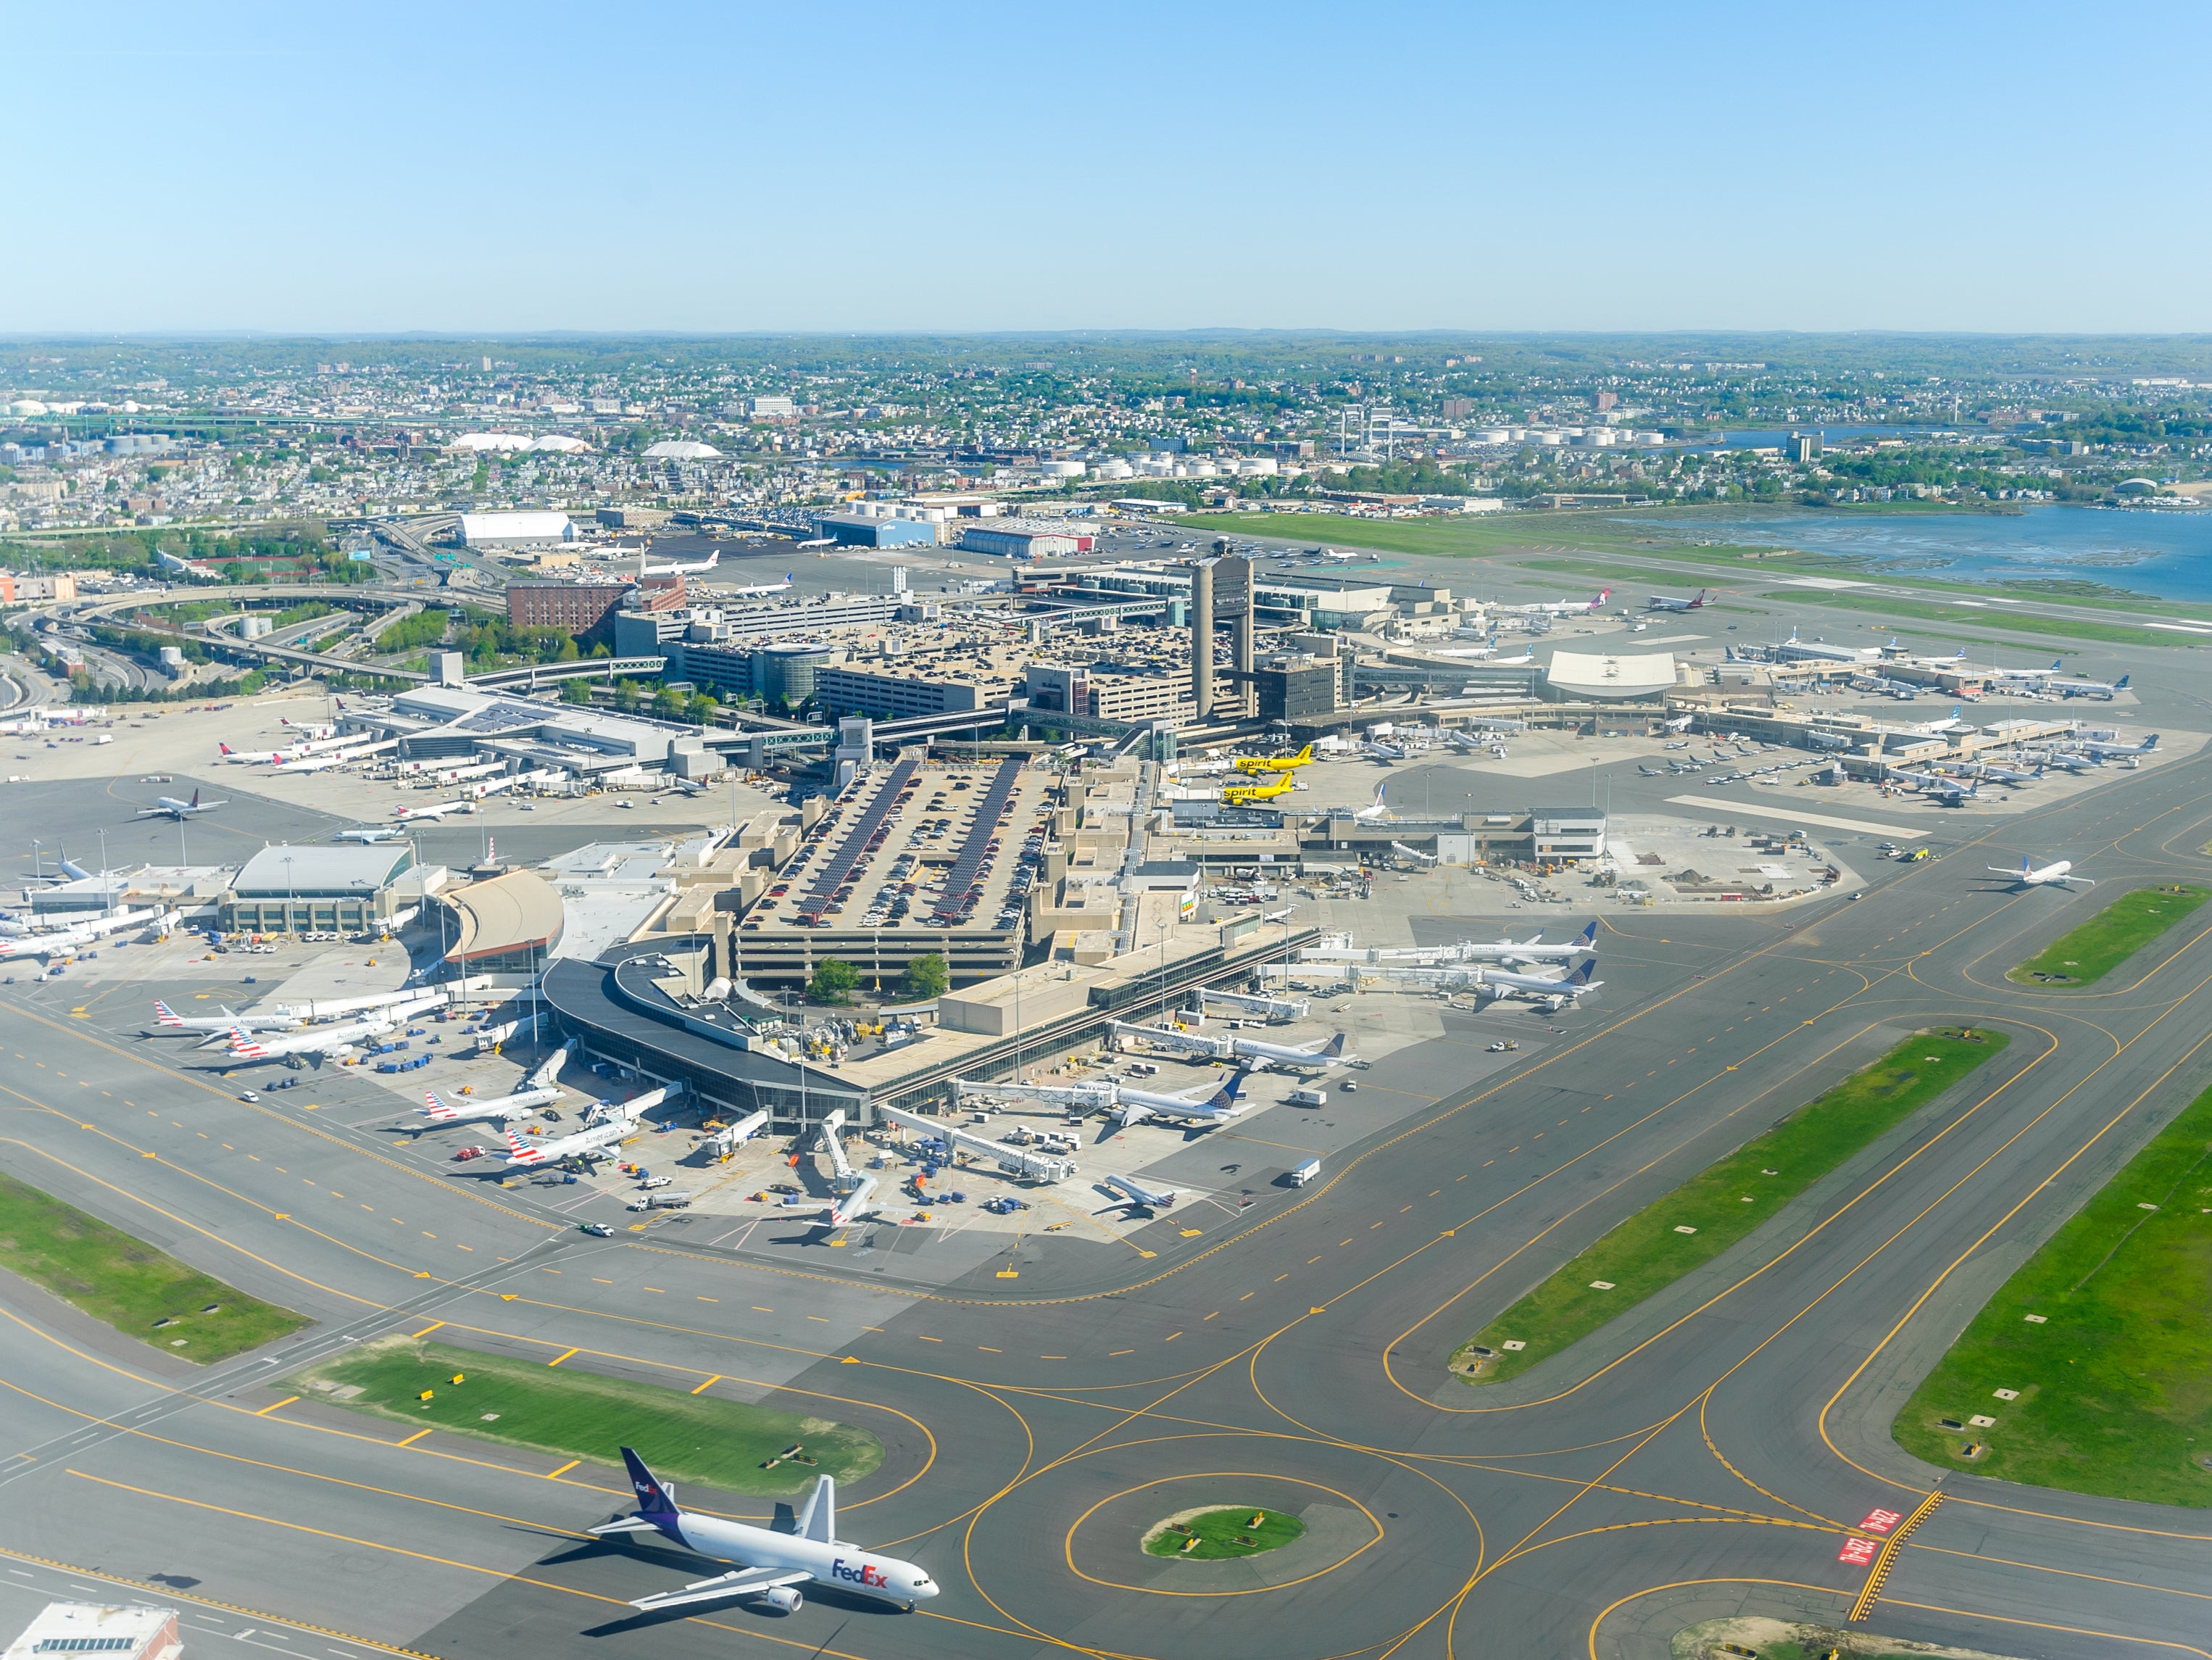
(1714, 1447)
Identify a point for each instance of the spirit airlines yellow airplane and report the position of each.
(1235, 795)
(1256, 764)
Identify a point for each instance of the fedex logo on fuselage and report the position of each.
(859, 1573)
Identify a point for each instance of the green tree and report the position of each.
(668, 704)
(575, 691)
(626, 696)
(834, 982)
(704, 709)
(928, 975)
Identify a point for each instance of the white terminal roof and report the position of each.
(310, 871)
(680, 449)
(135, 1632)
(1596, 676)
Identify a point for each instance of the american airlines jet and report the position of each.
(771, 1565)
(207, 1025)
(460, 1110)
(318, 1043)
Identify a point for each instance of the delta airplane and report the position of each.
(1662, 602)
(2100, 748)
(208, 1026)
(1559, 607)
(440, 1113)
(369, 835)
(168, 806)
(598, 1141)
(2027, 875)
(319, 1042)
(1257, 763)
(1135, 1193)
(437, 810)
(760, 591)
(1322, 1055)
(771, 1565)
(244, 758)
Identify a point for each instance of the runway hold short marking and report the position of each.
(1881, 1521)
(1859, 1552)
(1759, 810)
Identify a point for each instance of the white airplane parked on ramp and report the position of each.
(1559, 607)
(318, 1043)
(685, 567)
(598, 1140)
(771, 1566)
(1247, 1049)
(437, 810)
(167, 1020)
(758, 591)
(2029, 876)
(1134, 1106)
(460, 1110)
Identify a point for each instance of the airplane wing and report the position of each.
(745, 1581)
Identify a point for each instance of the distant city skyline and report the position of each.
(875, 169)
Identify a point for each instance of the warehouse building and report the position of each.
(1014, 540)
(508, 530)
(865, 530)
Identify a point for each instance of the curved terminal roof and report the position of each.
(1591, 675)
(321, 872)
(517, 911)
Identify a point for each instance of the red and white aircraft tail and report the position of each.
(521, 1154)
(244, 1046)
(166, 1016)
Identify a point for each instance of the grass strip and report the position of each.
(2102, 1332)
(1722, 1203)
(1238, 1530)
(583, 1415)
(2004, 618)
(141, 1292)
(2107, 939)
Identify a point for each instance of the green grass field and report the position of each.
(582, 1415)
(1722, 1202)
(1223, 1534)
(2004, 618)
(2115, 1376)
(2088, 953)
(135, 1288)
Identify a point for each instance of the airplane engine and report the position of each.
(784, 1599)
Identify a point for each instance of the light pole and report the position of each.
(38, 865)
(289, 894)
(790, 999)
(1165, 928)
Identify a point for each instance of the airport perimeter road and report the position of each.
(1711, 1452)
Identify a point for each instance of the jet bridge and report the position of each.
(1016, 1161)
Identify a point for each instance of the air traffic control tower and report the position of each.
(1225, 579)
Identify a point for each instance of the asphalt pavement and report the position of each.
(1715, 1448)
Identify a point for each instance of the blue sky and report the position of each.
(685, 167)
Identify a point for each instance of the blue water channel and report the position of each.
(2166, 554)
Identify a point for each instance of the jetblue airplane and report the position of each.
(771, 1565)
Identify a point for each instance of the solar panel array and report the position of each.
(960, 883)
(822, 895)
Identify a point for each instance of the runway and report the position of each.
(1711, 1451)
